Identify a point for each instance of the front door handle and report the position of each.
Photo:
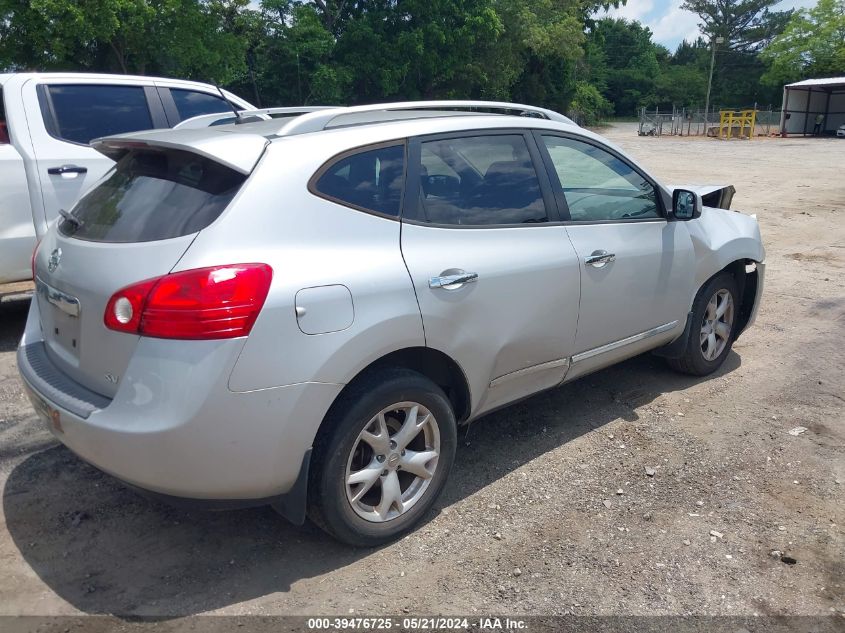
(67, 169)
(599, 259)
(453, 281)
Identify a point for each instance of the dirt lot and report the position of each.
(549, 509)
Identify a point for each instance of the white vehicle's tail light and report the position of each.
(205, 303)
(34, 253)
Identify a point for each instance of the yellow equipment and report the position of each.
(742, 120)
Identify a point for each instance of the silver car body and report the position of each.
(235, 419)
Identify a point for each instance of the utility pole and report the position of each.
(714, 42)
(298, 81)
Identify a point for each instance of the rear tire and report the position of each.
(714, 317)
(384, 456)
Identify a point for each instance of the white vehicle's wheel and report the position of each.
(384, 459)
(714, 313)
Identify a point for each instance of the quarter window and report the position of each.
(479, 180)
(87, 112)
(370, 180)
(597, 185)
(191, 103)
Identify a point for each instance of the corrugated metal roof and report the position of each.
(828, 82)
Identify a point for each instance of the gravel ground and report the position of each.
(634, 491)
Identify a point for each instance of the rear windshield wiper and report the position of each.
(71, 218)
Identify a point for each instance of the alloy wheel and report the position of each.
(392, 462)
(716, 325)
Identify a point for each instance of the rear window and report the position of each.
(154, 195)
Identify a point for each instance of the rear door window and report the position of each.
(154, 195)
(191, 103)
(85, 112)
(479, 180)
(367, 179)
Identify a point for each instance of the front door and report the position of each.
(637, 268)
(497, 283)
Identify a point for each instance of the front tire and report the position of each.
(714, 317)
(385, 455)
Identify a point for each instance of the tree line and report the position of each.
(555, 53)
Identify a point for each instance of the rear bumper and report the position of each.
(174, 427)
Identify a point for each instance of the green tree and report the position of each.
(588, 106)
(420, 48)
(629, 68)
(321, 51)
(746, 27)
(294, 61)
(680, 86)
(187, 38)
(811, 45)
(543, 40)
(744, 24)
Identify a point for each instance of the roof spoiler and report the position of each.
(236, 151)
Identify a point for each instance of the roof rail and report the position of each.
(321, 119)
(287, 110)
(258, 114)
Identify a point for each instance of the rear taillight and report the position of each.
(205, 303)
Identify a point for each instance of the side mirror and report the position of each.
(686, 205)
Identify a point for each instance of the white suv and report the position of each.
(300, 312)
(46, 122)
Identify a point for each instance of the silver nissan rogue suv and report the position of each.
(300, 311)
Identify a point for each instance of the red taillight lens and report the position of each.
(205, 303)
(124, 309)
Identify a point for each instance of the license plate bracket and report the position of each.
(50, 415)
(59, 318)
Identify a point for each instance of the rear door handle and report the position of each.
(599, 258)
(452, 282)
(67, 169)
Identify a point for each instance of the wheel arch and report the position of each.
(431, 363)
(435, 365)
(746, 274)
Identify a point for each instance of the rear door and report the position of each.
(637, 268)
(70, 113)
(134, 226)
(496, 277)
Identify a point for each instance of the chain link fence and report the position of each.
(693, 122)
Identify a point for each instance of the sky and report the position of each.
(670, 24)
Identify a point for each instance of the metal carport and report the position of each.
(804, 100)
